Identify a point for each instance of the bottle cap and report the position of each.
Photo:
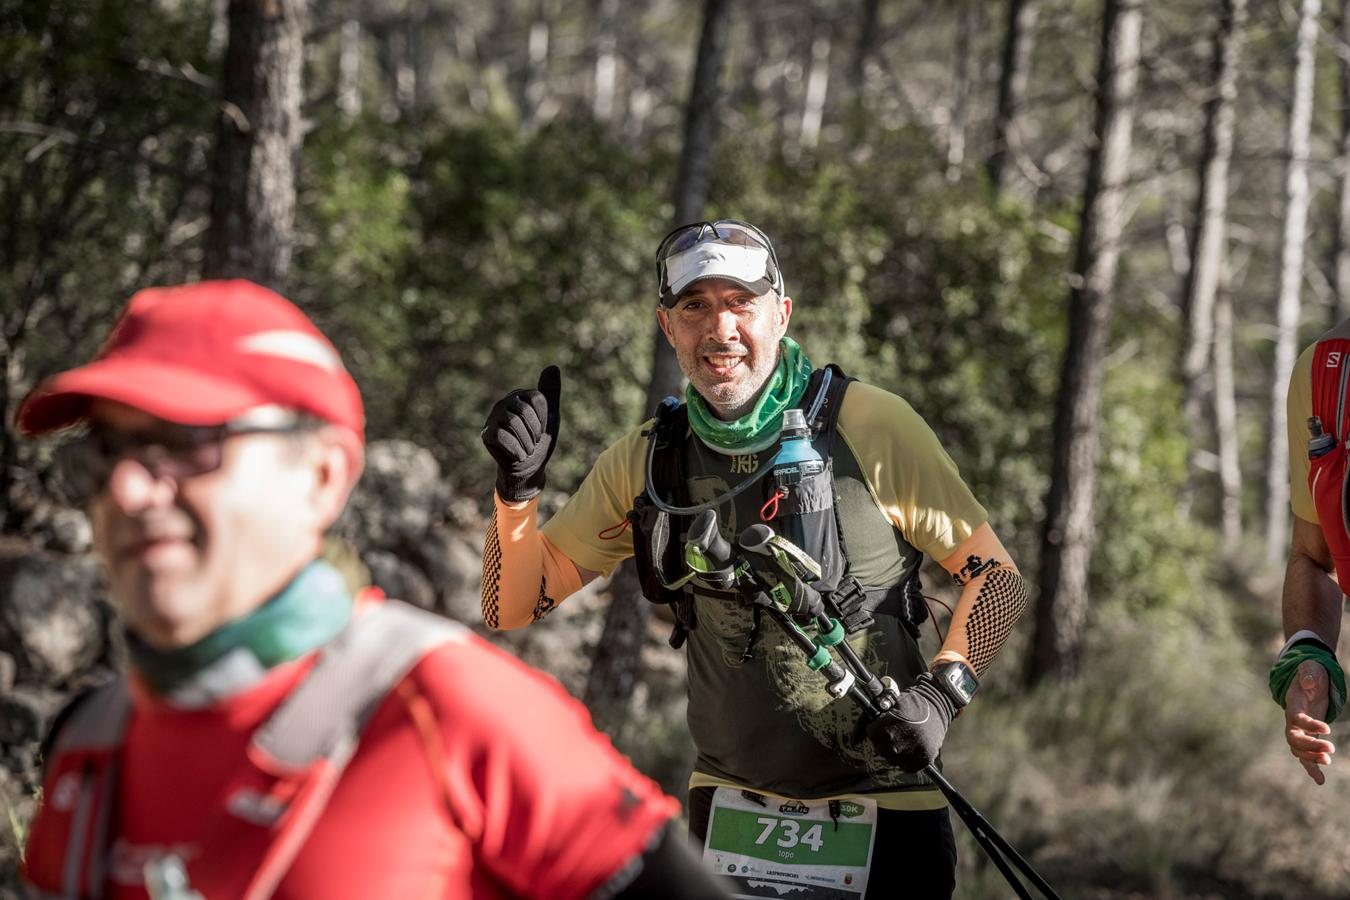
(794, 423)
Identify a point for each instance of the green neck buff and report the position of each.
(309, 611)
(758, 428)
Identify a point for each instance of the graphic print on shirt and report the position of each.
(834, 724)
(731, 622)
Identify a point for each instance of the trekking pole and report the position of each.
(990, 840)
(993, 843)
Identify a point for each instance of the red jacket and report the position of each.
(475, 776)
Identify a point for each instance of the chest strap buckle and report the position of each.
(849, 602)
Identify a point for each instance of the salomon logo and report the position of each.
(1333, 359)
(65, 792)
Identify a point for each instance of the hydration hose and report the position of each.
(666, 407)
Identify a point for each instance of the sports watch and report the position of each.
(957, 681)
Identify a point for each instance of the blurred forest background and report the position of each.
(1084, 238)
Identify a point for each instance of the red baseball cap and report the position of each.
(202, 354)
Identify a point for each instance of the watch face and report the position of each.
(961, 680)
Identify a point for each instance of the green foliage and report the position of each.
(101, 161)
(454, 270)
(452, 253)
(1119, 777)
(932, 291)
(1149, 559)
(454, 263)
(101, 156)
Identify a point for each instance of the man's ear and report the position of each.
(784, 313)
(663, 319)
(338, 460)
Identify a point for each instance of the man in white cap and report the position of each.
(788, 779)
(278, 737)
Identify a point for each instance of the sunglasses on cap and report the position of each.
(167, 450)
(726, 248)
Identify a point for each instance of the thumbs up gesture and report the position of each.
(521, 434)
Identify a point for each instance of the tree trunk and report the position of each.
(616, 666)
(258, 140)
(8, 438)
(1211, 210)
(963, 64)
(1225, 416)
(419, 59)
(1341, 233)
(817, 86)
(1066, 544)
(535, 77)
(605, 74)
(1291, 281)
(1018, 42)
(866, 47)
(691, 182)
(349, 69)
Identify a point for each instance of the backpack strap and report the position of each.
(1331, 359)
(654, 553)
(822, 413)
(858, 604)
(354, 673)
(95, 722)
(95, 719)
(1337, 425)
(318, 726)
(656, 534)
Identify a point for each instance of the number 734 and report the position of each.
(792, 833)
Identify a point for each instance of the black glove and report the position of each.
(521, 433)
(910, 733)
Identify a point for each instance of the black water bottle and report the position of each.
(1321, 442)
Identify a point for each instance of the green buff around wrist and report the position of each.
(1282, 675)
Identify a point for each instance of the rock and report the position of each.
(400, 494)
(50, 618)
(69, 531)
(454, 566)
(420, 542)
(399, 579)
(9, 670)
(26, 712)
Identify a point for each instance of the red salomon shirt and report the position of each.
(476, 777)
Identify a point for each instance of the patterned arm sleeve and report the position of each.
(993, 598)
(524, 575)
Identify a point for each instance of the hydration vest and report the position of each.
(1328, 457)
(294, 760)
(658, 536)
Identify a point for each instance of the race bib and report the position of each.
(790, 848)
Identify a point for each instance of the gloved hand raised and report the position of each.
(521, 434)
(910, 733)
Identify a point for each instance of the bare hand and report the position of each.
(1305, 705)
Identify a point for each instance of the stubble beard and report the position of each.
(732, 398)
